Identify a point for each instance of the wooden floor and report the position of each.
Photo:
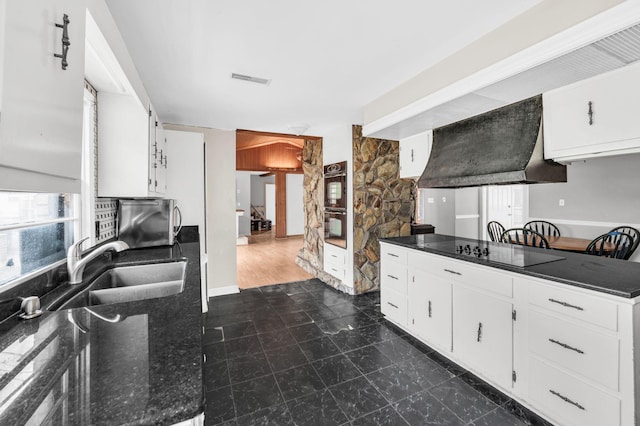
(266, 260)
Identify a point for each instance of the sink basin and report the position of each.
(127, 284)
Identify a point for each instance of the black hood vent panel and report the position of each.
(500, 147)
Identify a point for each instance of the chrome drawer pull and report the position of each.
(564, 345)
(479, 331)
(393, 255)
(452, 272)
(389, 303)
(391, 276)
(565, 399)
(565, 304)
(429, 308)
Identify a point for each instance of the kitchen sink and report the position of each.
(127, 284)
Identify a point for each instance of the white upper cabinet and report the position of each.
(414, 154)
(594, 117)
(123, 146)
(40, 102)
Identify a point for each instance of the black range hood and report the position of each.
(500, 147)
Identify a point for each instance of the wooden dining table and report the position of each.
(576, 245)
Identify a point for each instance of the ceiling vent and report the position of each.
(251, 79)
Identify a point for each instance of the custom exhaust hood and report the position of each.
(500, 147)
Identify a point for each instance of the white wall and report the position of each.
(599, 194)
(257, 188)
(337, 146)
(220, 160)
(295, 205)
(243, 201)
(185, 184)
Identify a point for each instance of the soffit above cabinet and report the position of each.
(606, 42)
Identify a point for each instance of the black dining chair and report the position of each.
(495, 230)
(622, 244)
(524, 237)
(543, 227)
(631, 231)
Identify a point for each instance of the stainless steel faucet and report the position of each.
(76, 263)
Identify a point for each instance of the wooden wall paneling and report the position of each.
(281, 205)
(269, 157)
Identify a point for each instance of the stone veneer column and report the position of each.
(310, 257)
(383, 205)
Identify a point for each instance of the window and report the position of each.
(35, 231)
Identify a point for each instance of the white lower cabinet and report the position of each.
(483, 333)
(566, 352)
(430, 308)
(569, 400)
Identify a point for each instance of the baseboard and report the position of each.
(221, 291)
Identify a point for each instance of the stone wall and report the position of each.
(383, 205)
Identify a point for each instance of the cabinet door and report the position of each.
(161, 161)
(593, 116)
(483, 334)
(153, 148)
(42, 104)
(414, 154)
(430, 308)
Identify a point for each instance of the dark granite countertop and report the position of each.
(126, 363)
(613, 276)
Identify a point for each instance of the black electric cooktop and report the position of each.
(490, 252)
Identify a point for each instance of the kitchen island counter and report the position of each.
(613, 276)
(126, 363)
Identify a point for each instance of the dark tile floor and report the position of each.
(305, 354)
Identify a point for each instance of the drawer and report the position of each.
(591, 309)
(585, 351)
(336, 271)
(394, 306)
(568, 399)
(390, 252)
(478, 277)
(335, 255)
(393, 276)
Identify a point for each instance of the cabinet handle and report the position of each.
(564, 345)
(452, 272)
(590, 113)
(429, 308)
(391, 276)
(65, 41)
(392, 305)
(565, 399)
(412, 155)
(479, 331)
(393, 255)
(565, 304)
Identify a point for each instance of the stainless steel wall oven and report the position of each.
(335, 204)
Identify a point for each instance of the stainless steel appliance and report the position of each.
(148, 222)
(335, 227)
(335, 186)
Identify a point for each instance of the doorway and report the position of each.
(271, 167)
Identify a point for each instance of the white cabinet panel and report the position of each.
(483, 333)
(42, 104)
(430, 308)
(394, 306)
(594, 117)
(570, 400)
(587, 352)
(414, 154)
(574, 304)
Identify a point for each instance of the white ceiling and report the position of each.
(326, 59)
